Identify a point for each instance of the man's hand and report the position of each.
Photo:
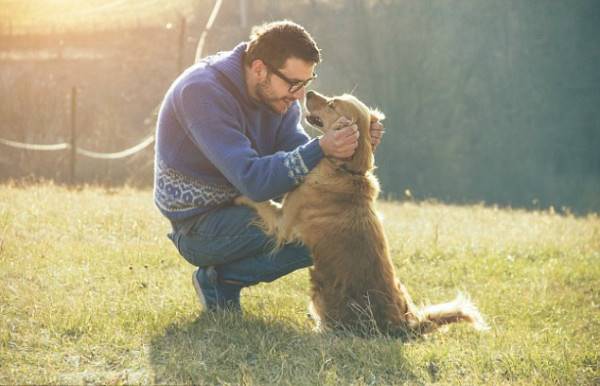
(340, 143)
(376, 131)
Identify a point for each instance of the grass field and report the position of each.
(91, 291)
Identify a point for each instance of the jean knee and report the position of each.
(290, 258)
(303, 256)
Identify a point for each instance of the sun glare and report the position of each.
(36, 14)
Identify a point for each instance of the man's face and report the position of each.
(274, 90)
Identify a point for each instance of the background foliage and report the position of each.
(486, 101)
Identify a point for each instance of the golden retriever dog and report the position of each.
(354, 285)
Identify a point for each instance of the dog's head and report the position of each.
(324, 114)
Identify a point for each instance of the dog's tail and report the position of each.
(461, 309)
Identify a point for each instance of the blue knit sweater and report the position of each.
(213, 142)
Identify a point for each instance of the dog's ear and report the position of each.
(376, 115)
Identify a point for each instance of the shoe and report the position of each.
(215, 296)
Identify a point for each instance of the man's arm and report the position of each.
(213, 125)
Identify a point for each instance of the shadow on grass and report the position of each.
(226, 348)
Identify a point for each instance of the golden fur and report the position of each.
(332, 212)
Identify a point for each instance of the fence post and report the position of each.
(181, 47)
(243, 13)
(73, 135)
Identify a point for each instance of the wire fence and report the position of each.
(143, 144)
(87, 153)
(72, 145)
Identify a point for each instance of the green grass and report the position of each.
(92, 291)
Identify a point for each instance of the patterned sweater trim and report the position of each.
(176, 192)
(297, 169)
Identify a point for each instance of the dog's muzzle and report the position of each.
(315, 121)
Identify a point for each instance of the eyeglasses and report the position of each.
(295, 85)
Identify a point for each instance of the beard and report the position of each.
(278, 105)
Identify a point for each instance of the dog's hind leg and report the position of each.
(314, 315)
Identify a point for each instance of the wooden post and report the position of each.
(181, 46)
(243, 14)
(73, 135)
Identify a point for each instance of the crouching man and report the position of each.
(230, 125)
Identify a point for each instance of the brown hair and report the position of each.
(275, 42)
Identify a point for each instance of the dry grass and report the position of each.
(92, 292)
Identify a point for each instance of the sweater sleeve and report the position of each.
(213, 123)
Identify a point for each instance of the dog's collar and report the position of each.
(343, 167)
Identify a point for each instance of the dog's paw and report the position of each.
(243, 200)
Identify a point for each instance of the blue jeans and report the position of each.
(240, 252)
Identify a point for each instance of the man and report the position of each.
(230, 125)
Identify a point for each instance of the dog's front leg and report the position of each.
(270, 213)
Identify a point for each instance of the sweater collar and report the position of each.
(231, 64)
